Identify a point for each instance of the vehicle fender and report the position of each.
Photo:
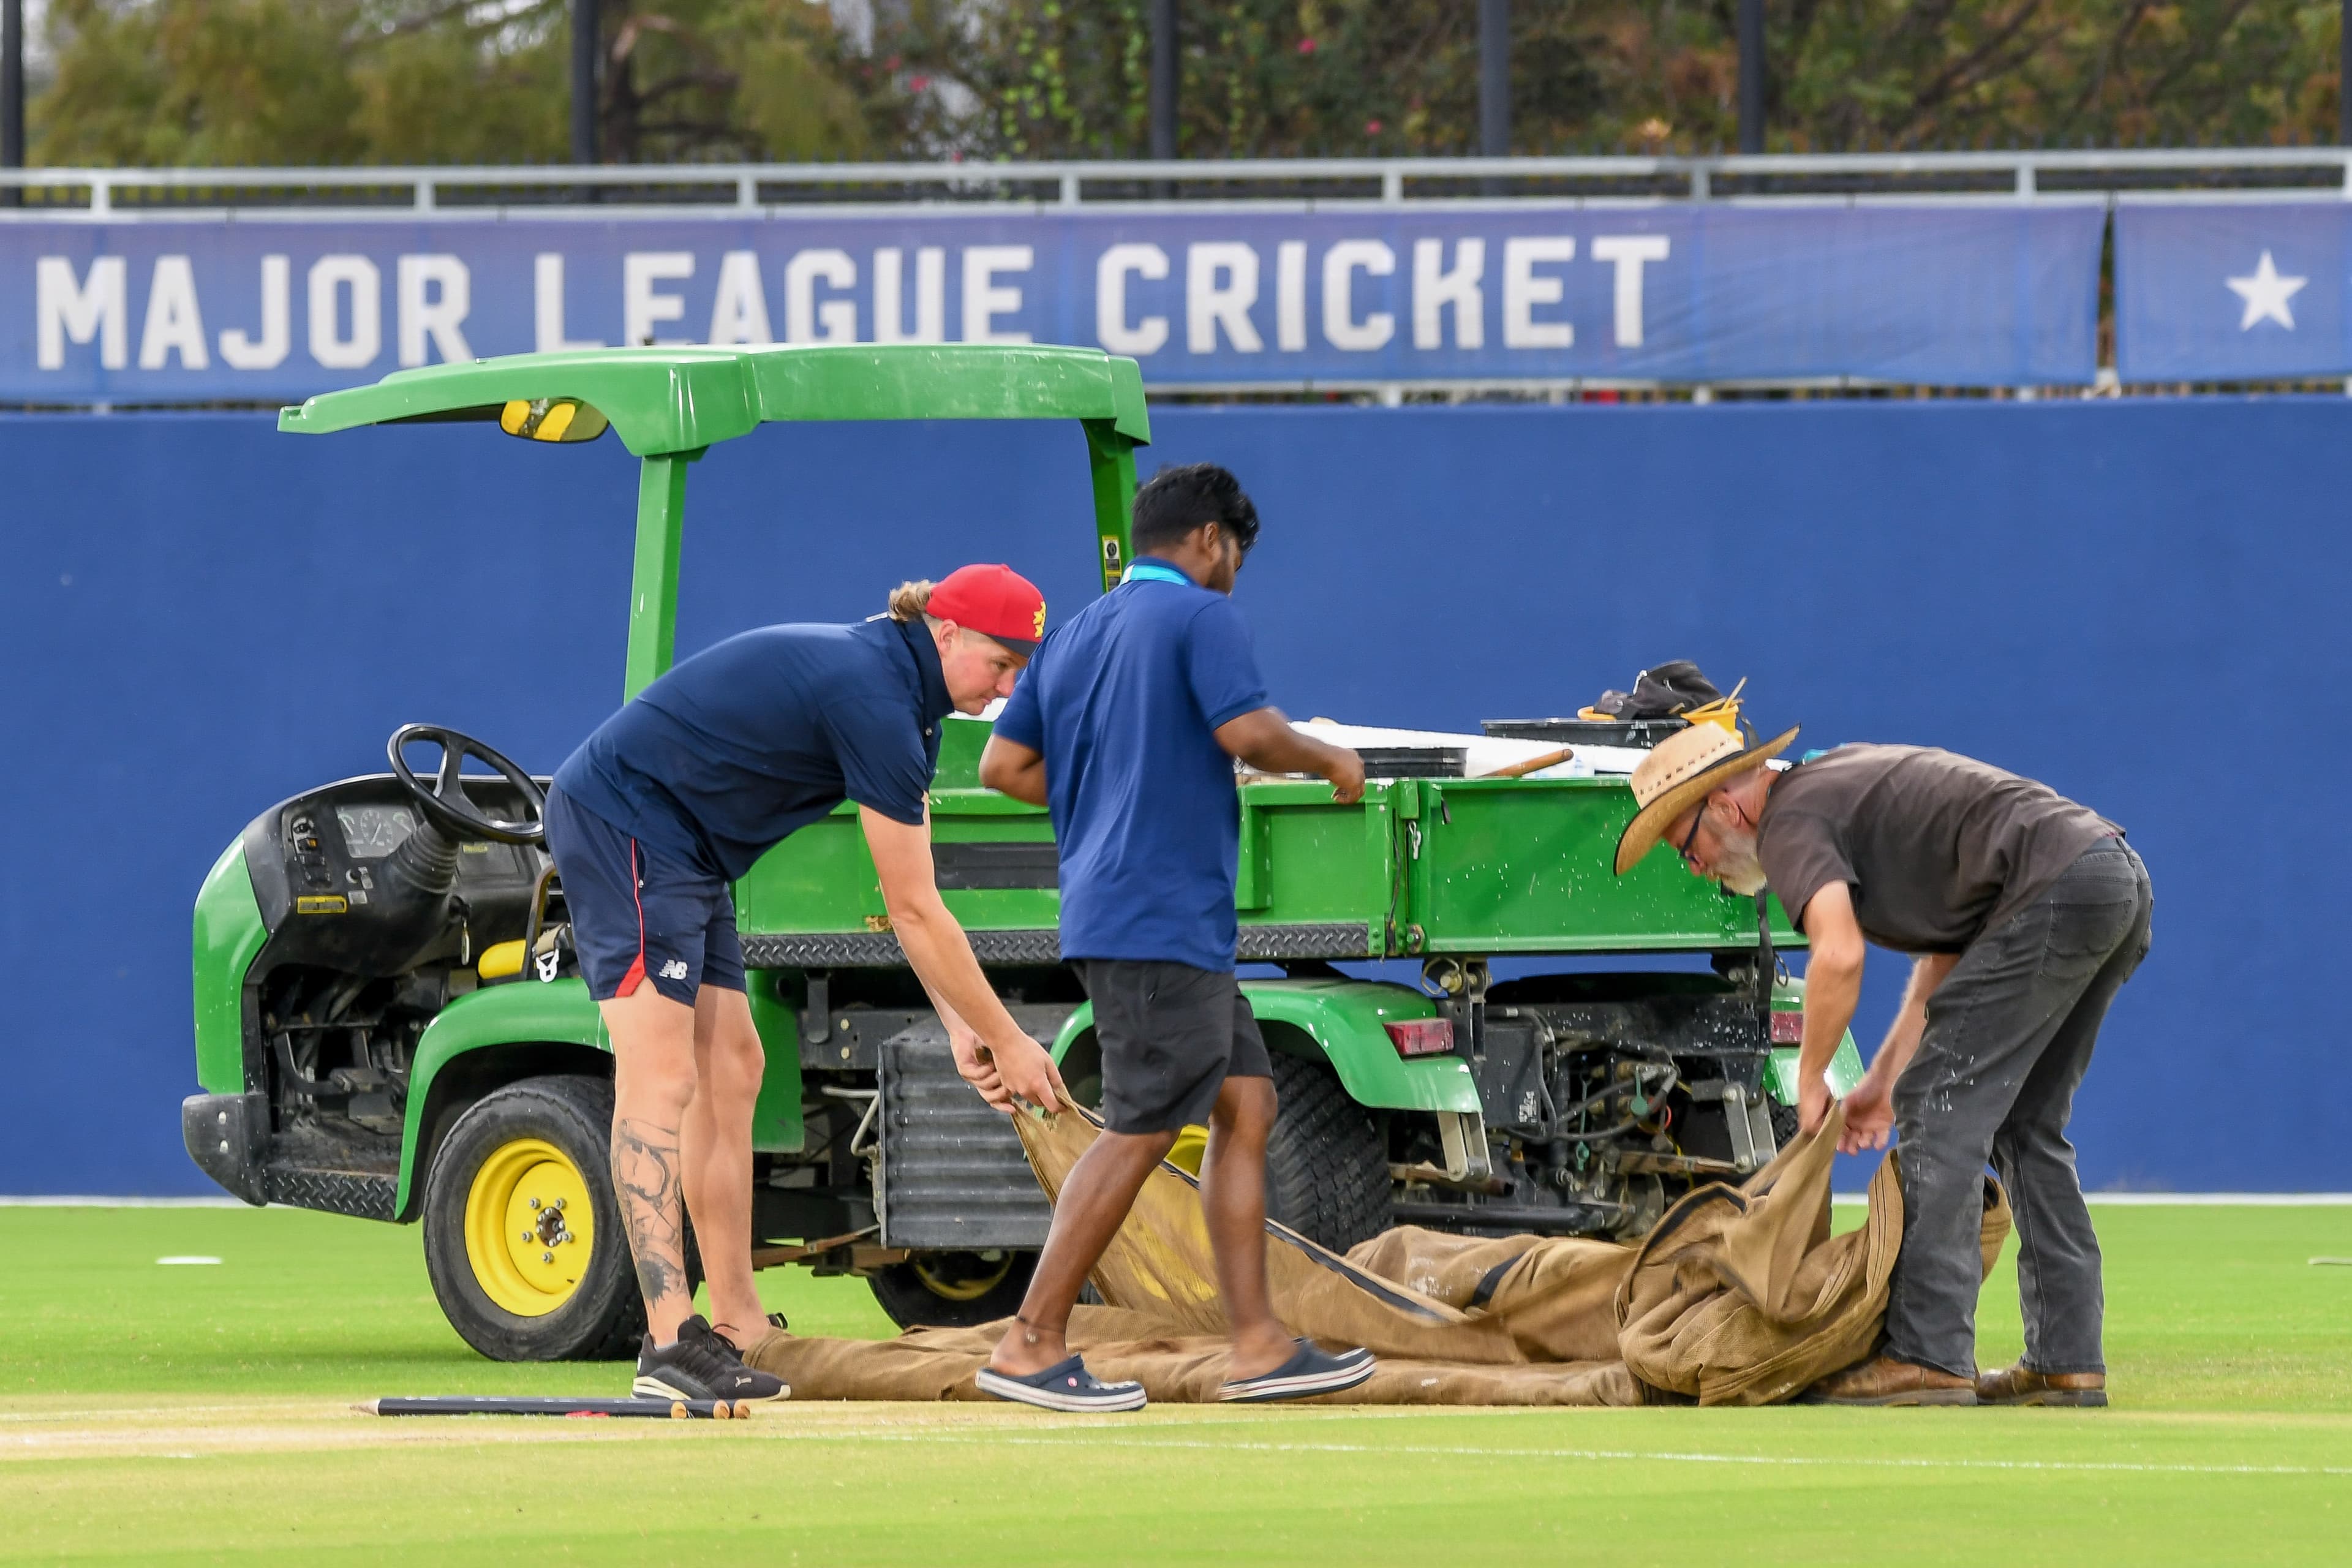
(230, 934)
(528, 1013)
(1781, 1077)
(1341, 1021)
(1845, 1071)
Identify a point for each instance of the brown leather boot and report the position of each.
(1882, 1381)
(2020, 1384)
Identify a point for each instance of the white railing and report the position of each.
(2241, 174)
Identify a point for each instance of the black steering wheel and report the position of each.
(445, 801)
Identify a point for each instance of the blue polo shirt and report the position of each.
(1123, 701)
(722, 758)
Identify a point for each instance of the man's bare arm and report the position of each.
(1011, 768)
(941, 957)
(972, 1058)
(1832, 988)
(1265, 740)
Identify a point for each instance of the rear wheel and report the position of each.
(1327, 1165)
(522, 1235)
(953, 1289)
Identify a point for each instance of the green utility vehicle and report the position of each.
(390, 1025)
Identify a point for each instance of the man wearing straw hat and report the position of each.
(2025, 913)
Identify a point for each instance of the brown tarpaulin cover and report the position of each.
(1739, 1296)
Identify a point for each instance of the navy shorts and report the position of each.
(638, 914)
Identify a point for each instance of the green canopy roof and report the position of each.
(682, 399)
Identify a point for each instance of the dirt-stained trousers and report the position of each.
(2009, 1036)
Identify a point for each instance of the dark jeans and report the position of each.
(2010, 1033)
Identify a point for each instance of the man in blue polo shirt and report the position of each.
(672, 800)
(1126, 727)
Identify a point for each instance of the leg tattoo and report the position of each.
(646, 1178)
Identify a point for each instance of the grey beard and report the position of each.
(1742, 874)
(1736, 868)
(1746, 878)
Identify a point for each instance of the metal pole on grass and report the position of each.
(586, 38)
(1751, 76)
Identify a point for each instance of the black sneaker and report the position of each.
(774, 1322)
(701, 1365)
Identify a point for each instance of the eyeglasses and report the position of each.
(1684, 849)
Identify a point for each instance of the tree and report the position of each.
(240, 83)
(1273, 77)
(1283, 78)
(453, 82)
(484, 81)
(1925, 73)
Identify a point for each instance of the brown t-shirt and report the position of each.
(1935, 848)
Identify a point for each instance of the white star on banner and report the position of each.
(2265, 294)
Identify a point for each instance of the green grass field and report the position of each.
(162, 1414)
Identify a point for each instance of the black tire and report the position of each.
(1785, 1124)
(604, 1317)
(1327, 1165)
(953, 1289)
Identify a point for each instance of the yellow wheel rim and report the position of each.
(966, 1287)
(1191, 1143)
(530, 1227)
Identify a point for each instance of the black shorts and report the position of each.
(638, 914)
(1170, 1035)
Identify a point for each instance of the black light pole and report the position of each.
(12, 94)
(1751, 76)
(1164, 78)
(585, 38)
(1494, 82)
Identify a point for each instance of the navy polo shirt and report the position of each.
(722, 758)
(1123, 701)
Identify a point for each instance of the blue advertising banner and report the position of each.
(2241, 292)
(271, 309)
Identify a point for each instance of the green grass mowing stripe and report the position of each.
(2232, 1361)
(1636, 1455)
(301, 1303)
(1071, 1501)
(2209, 1308)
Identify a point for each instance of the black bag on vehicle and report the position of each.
(1672, 687)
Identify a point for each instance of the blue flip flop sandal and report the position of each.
(1310, 1372)
(1065, 1386)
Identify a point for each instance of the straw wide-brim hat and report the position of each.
(1681, 770)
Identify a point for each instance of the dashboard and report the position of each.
(315, 862)
(372, 832)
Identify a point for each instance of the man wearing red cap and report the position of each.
(669, 802)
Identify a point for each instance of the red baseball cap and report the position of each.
(993, 600)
